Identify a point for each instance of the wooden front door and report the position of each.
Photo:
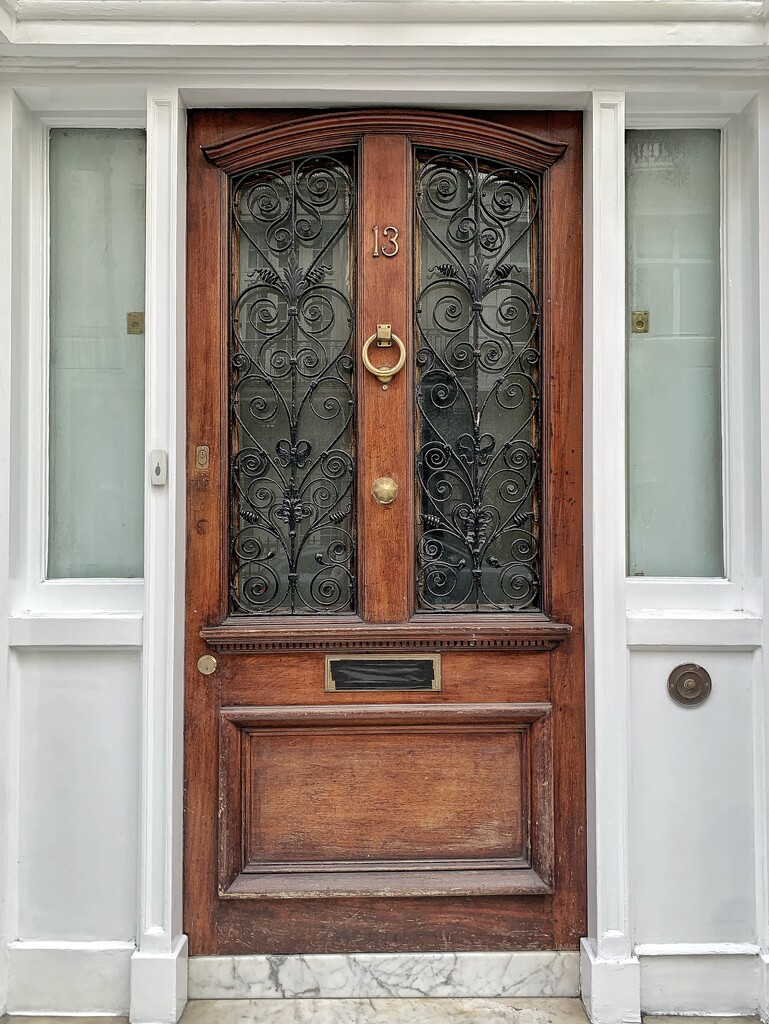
(385, 682)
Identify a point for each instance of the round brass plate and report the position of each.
(207, 665)
(689, 685)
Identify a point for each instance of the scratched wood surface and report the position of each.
(303, 903)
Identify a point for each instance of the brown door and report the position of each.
(384, 710)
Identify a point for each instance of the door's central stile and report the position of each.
(386, 419)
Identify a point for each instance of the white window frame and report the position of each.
(36, 593)
(739, 450)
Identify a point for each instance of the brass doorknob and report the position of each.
(384, 490)
(207, 664)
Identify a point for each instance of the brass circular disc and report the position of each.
(207, 664)
(689, 685)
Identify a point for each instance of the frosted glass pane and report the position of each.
(674, 370)
(96, 443)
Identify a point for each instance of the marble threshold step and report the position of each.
(379, 1011)
(385, 1011)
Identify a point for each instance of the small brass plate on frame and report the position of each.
(134, 323)
(639, 320)
(367, 673)
(689, 685)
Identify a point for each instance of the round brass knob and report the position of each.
(384, 490)
(207, 664)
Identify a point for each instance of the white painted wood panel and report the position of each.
(78, 780)
(691, 800)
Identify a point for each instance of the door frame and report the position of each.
(609, 967)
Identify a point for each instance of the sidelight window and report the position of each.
(96, 423)
(675, 490)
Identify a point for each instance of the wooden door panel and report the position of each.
(465, 678)
(386, 799)
(324, 821)
(385, 925)
(351, 794)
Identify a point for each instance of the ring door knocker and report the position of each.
(384, 338)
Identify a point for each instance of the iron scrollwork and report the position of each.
(292, 401)
(477, 325)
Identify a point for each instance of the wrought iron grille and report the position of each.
(292, 401)
(477, 330)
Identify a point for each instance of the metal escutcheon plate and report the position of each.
(207, 664)
(689, 685)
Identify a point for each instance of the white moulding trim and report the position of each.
(763, 987)
(700, 984)
(761, 678)
(63, 631)
(80, 978)
(715, 38)
(610, 987)
(10, 176)
(669, 630)
(696, 949)
(159, 975)
(159, 985)
(604, 466)
(376, 11)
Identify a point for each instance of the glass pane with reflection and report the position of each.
(675, 502)
(96, 443)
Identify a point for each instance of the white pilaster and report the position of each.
(7, 102)
(610, 972)
(761, 669)
(15, 145)
(158, 969)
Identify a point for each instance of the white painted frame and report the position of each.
(731, 593)
(39, 602)
(159, 966)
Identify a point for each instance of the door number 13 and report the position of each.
(389, 237)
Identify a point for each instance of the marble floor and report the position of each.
(380, 1011)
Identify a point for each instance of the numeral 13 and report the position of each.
(389, 236)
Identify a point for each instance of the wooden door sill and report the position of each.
(320, 885)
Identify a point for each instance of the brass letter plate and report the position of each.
(352, 673)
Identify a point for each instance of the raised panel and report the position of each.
(385, 799)
(387, 793)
